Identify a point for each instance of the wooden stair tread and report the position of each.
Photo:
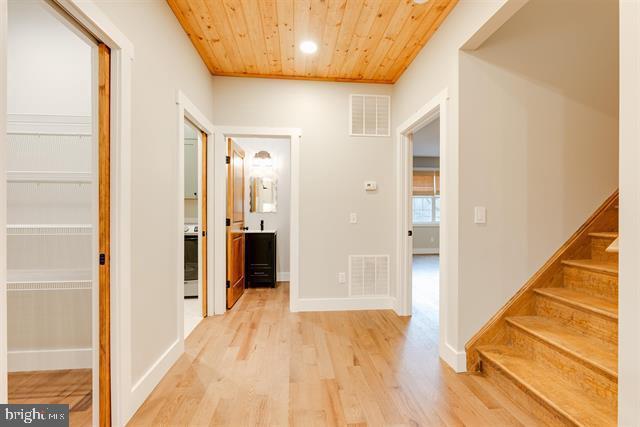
(590, 351)
(593, 265)
(602, 306)
(605, 234)
(564, 397)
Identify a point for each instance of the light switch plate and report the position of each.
(370, 186)
(353, 218)
(342, 277)
(480, 215)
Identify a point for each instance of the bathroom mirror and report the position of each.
(263, 194)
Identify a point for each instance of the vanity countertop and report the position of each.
(261, 231)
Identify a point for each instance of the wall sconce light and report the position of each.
(262, 159)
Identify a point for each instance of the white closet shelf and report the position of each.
(49, 177)
(48, 280)
(49, 229)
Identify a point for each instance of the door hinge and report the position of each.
(410, 233)
(228, 284)
(228, 222)
(227, 160)
(204, 233)
(103, 259)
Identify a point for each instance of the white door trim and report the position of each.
(220, 179)
(629, 216)
(97, 23)
(448, 303)
(188, 110)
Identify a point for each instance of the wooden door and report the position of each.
(203, 224)
(104, 234)
(235, 222)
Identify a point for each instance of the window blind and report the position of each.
(426, 183)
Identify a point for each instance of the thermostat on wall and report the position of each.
(370, 186)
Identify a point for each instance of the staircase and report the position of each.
(553, 348)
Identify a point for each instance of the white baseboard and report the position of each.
(454, 358)
(426, 251)
(50, 360)
(344, 304)
(282, 276)
(145, 385)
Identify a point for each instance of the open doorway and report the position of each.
(425, 216)
(439, 212)
(58, 211)
(195, 226)
(259, 212)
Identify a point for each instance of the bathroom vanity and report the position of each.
(260, 258)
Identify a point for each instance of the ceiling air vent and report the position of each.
(369, 275)
(370, 115)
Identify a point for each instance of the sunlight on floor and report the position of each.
(426, 278)
(192, 314)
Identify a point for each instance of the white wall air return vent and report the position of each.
(368, 275)
(370, 115)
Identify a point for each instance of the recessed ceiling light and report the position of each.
(308, 47)
(420, 1)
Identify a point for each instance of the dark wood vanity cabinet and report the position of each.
(260, 258)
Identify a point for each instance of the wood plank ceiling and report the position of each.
(370, 41)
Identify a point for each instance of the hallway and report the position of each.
(261, 365)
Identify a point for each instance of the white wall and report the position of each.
(333, 168)
(538, 144)
(426, 141)
(629, 300)
(37, 40)
(436, 69)
(426, 239)
(191, 169)
(165, 61)
(280, 150)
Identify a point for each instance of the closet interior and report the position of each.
(51, 211)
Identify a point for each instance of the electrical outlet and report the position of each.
(342, 277)
(353, 218)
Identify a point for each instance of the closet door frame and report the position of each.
(124, 397)
(187, 111)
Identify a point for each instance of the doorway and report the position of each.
(259, 209)
(195, 211)
(195, 226)
(287, 139)
(425, 217)
(58, 205)
(447, 247)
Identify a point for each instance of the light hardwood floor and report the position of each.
(259, 364)
(71, 387)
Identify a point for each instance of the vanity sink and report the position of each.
(260, 231)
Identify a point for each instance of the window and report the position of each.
(426, 209)
(426, 197)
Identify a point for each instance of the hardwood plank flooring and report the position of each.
(71, 387)
(259, 364)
